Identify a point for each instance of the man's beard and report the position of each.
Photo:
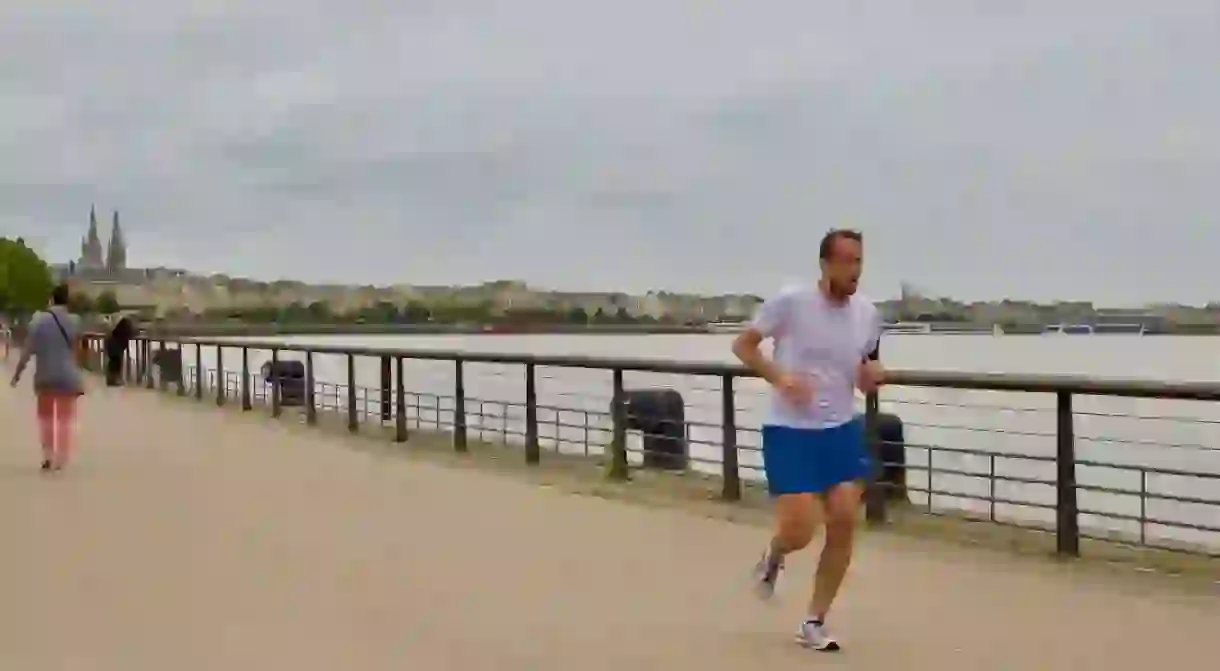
(842, 289)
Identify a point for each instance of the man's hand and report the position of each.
(795, 390)
(869, 376)
(13, 383)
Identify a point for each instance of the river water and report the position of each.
(1125, 433)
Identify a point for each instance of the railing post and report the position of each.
(353, 423)
(181, 370)
(731, 476)
(149, 379)
(162, 385)
(222, 383)
(311, 405)
(1067, 527)
(276, 410)
(618, 441)
(874, 494)
(400, 403)
(532, 454)
(384, 401)
(246, 404)
(459, 406)
(199, 372)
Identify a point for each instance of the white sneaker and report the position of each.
(813, 634)
(766, 573)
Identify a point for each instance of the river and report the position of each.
(1179, 435)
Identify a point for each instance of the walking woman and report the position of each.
(53, 341)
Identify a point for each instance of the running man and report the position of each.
(814, 453)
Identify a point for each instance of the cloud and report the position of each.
(1032, 149)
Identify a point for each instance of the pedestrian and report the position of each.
(825, 340)
(53, 341)
(116, 344)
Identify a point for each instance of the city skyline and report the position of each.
(1048, 151)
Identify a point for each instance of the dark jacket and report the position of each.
(119, 337)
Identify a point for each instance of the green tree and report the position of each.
(80, 303)
(294, 312)
(319, 311)
(577, 315)
(381, 312)
(416, 312)
(107, 303)
(25, 279)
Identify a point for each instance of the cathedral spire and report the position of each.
(91, 246)
(116, 253)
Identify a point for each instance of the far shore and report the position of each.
(239, 329)
(272, 329)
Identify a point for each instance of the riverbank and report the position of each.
(252, 329)
(242, 329)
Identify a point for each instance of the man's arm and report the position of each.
(872, 373)
(767, 323)
(747, 348)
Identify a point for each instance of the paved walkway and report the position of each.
(185, 539)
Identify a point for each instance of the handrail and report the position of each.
(1073, 384)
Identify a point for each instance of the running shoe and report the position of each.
(766, 574)
(813, 634)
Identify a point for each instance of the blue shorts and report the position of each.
(804, 461)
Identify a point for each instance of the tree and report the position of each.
(294, 312)
(319, 311)
(80, 303)
(107, 303)
(577, 315)
(416, 312)
(383, 312)
(25, 279)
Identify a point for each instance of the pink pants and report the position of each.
(56, 414)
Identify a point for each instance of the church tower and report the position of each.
(91, 246)
(116, 253)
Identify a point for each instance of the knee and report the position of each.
(840, 529)
(796, 533)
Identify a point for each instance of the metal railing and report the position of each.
(1047, 484)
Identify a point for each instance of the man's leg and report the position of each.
(845, 462)
(797, 510)
(797, 517)
(842, 510)
(839, 505)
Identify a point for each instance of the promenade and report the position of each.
(187, 538)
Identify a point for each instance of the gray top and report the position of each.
(55, 364)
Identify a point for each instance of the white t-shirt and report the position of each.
(823, 342)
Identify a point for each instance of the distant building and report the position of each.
(91, 259)
(116, 251)
(98, 263)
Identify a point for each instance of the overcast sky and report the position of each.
(1058, 148)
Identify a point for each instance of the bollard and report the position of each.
(660, 416)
